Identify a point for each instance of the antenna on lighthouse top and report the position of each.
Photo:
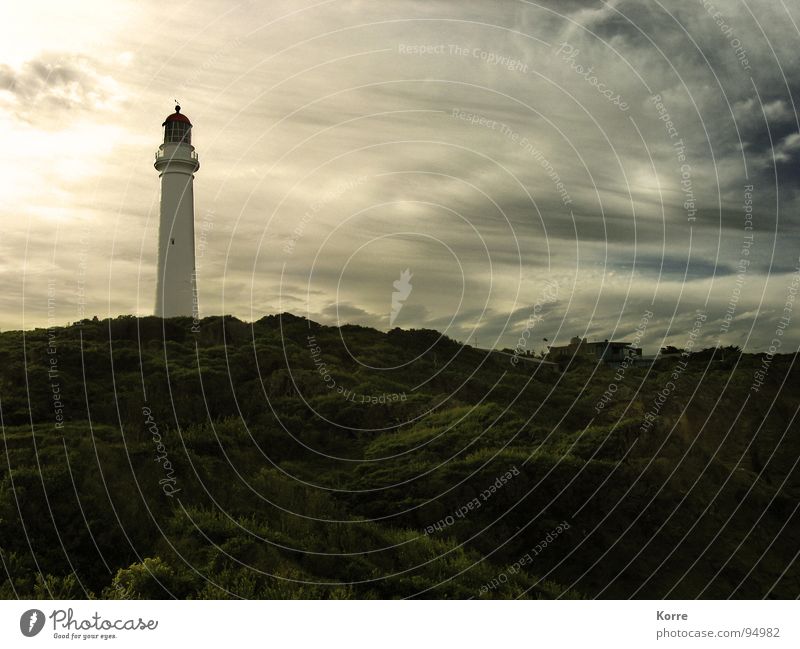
(177, 107)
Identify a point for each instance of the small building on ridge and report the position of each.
(607, 351)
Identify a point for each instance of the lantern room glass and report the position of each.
(177, 132)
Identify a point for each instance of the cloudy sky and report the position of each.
(581, 161)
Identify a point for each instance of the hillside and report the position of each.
(285, 459)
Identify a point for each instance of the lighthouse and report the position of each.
(176, 163)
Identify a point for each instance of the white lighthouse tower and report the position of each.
(176, 162)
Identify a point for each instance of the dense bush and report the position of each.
(225, 462)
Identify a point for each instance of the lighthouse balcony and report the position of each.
(176, 152)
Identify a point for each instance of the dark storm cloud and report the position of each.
(729, 117)
(45, 88)
(671, 267)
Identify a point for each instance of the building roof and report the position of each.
(610, 343)
(177, 117)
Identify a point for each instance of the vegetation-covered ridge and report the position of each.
(149, 458)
